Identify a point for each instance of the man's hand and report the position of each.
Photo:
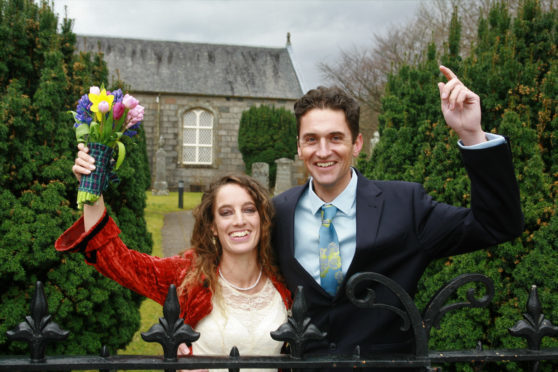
(461, 109)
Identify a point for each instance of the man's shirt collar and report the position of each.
(343, 201)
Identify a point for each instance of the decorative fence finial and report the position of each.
(171, 330)
(535, 326)
(298, 330)
(38, 329)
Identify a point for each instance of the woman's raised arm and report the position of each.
(85, 164)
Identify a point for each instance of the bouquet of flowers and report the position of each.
(101, 118)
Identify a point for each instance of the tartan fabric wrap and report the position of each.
(92, 185)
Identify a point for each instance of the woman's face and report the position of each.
(237, 221)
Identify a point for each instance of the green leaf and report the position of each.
(107, 126)
(74, 114)
(121, 154)
(94, 128)
(82, 132)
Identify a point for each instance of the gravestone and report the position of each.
(284, 179)
(374, 141)
(260, 171)
(160, 187)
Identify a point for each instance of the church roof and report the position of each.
(200, 69)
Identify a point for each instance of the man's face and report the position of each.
(326, 147)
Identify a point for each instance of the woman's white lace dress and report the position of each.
(242, 320)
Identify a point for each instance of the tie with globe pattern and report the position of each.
(331, 274)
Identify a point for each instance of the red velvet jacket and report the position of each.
(145, 274)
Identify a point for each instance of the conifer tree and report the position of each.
(40, 80)
(513, 69)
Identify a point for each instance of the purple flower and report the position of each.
(130, 132)
(118, 95)
(83, 113)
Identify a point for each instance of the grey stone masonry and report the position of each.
(284, 178)
(160, 187)
(260, 171)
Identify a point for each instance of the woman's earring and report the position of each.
(214, 241)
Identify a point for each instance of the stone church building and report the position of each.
(194, 95)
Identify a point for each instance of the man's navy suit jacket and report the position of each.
(399, 230)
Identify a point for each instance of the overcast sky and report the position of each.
(319, 29)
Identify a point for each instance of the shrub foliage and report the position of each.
(514, 69)
(266, 134)
(41, 78)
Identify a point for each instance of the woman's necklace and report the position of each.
(240, 288)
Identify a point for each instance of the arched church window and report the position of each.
(197, 137)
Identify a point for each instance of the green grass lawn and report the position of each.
(157, 207)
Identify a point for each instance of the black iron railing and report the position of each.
(38, 329)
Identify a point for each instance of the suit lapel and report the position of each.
(369, 206)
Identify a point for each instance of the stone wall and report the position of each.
(164, 117)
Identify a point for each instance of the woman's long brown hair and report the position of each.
(208, 251)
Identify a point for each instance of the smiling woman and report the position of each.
(237, 224)
(232, 242)
(229, 286)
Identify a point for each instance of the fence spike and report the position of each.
(298, 330)
(534, 327)
(171, 330)
(105, 353)
(38, 329)
(234, 354)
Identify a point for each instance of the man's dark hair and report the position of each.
(333, 98)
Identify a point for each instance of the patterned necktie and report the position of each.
(331, 274)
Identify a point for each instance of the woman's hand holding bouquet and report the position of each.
(101, 119)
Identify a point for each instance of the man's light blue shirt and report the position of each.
(308, 219)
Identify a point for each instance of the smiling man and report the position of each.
(327, 147)
(341, 223)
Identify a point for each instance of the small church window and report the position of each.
(197, 137)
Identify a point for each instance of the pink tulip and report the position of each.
(104, 107)
(94, 90)
(134, 116)
(118, 110)
(129, 101)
